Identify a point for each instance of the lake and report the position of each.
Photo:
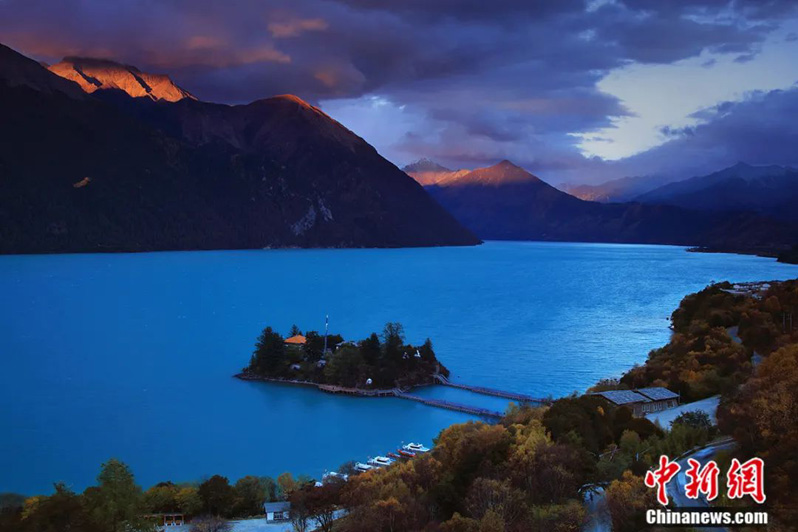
(132, 355)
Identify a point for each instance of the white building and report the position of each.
(277, 511)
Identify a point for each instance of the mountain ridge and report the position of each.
(531, 209)
(136, 174)
(93, 74)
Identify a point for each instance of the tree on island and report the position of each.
(393, 337)
(344, 367)
(379, 361)
(370, 349)
(269, 351)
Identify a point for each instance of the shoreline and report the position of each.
(332, 388)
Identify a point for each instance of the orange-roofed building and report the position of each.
(297, 340)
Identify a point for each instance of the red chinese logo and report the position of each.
(702, 480)
(660, 478)
(747, 479)
(742, 479)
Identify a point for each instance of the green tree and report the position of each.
(62, 511)
(188, 500)
(117, 497)
(295, 331)
(370, 349)
(393, 337)
(344, 367)
(249, 496)
(269, 487)
(217, 496)
(695, 418)
(269, 354)
(160, 498)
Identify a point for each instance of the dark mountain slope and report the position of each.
(123, 174)
(768, 190)
(507, 203)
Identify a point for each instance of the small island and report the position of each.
(379, 362)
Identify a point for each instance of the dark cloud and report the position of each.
(487, 79)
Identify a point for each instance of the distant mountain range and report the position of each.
(767, 190)
(506, 202)
(617, 190)
(103, 171)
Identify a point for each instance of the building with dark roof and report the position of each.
(642, 401)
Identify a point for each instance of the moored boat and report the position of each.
(360, 466)
(407, 454)
(380, 461)
(415, 448)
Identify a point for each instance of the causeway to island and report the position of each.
(381, 365)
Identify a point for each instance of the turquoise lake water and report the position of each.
(132, 355)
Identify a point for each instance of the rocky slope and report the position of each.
(107, 172)
(428, 172)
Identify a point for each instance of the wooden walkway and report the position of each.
(440, 403)
(402, 394)
(519, 397)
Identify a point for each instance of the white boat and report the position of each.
(334, 475)
(415, 448)
(360, 466)
(380, 461)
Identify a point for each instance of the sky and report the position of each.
(575, 91)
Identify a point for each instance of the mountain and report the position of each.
(768, 190)
(99, 74)
(19, 71)
(427, 172)
(505, 202)
(108, 172)
(616, 190)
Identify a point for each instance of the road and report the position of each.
(598, 513)
(676, 486)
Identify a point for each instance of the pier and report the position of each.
(403, 394)
(519, 397)
(330, 388)
(440, 403)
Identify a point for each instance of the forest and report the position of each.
(383, 361)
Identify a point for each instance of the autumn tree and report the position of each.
(627, 500)
(763, 418)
